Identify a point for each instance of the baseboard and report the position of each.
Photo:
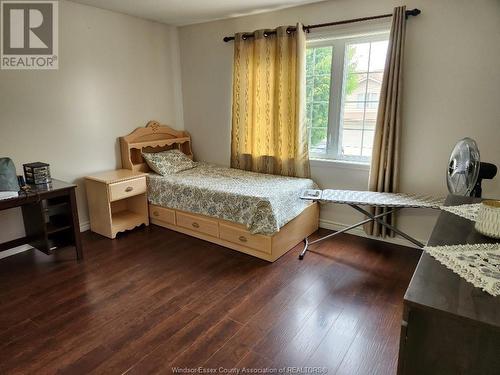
(333, 225)
(85, 226)
(19, 249)
(323, 223)
(14, 250)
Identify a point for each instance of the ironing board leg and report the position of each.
(307, 243)
(381, 222)
(303, 252)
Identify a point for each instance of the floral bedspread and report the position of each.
(262, 202)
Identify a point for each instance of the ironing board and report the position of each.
(355, 199)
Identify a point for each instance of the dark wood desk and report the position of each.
(50, 217)
(449, 326)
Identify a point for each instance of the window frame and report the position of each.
(338, 42)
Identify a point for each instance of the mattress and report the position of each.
(262, 202)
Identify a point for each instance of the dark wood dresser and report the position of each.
(449, 326)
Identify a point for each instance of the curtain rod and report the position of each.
(307, 28)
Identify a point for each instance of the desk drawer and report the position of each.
(129, 188)
(242, 237)
(198, 224)
(160, 213)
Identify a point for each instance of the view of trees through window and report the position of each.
(352, 128)
(318, 77)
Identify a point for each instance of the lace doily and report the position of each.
(479, 264)
(468, 211)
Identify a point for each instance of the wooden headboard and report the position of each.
(154, 137)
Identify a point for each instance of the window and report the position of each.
(371, 102)
(344, 77)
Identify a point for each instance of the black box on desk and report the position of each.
(37, 173)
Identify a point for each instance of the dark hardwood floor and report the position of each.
(155, 299)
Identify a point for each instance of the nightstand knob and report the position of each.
(243, 239)
(195, 225)
(129, 189)
(156, 213)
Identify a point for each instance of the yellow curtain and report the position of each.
(384, 169)
(269, 133)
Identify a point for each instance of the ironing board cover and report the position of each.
(371, 198)
(479, 264)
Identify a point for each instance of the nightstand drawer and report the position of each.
(129, 188)
(198, 224)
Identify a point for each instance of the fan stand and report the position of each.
(487, 171)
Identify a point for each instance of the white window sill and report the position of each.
(343, 164)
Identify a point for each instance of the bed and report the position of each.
(257, 214)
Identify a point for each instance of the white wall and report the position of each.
(116, 72)
(452, 90)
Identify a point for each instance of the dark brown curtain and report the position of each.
(384, 170)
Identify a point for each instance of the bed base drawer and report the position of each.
(235, 236)
(160, 213)
(240, 236)
(198, 224)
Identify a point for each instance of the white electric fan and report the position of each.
(466, 171)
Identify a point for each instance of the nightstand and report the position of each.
(117, 201)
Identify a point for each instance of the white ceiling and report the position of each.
(184, 12)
